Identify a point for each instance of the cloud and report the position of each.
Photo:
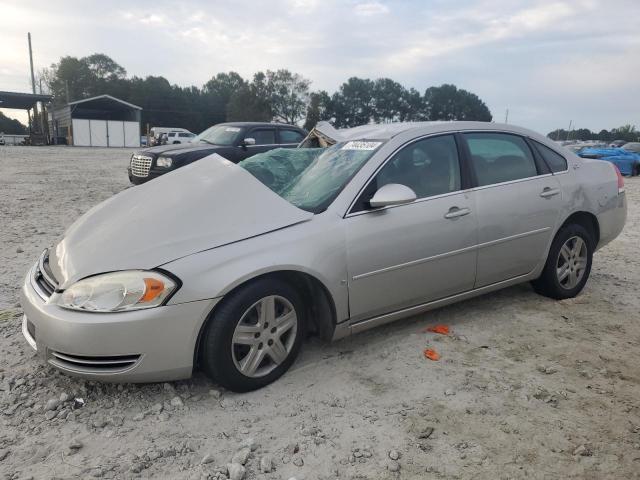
(370, 9)
(154, 19)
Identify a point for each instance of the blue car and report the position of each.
(628, 162)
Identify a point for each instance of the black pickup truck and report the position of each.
(233, 141)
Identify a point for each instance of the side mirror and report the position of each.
(248, 142)
(392, 194)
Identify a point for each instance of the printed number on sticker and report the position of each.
(361, 145)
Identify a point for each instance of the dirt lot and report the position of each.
(526, 387)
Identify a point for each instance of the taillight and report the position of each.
(620, 180)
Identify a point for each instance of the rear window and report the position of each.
(556, 162)
(290, 136)
(500, 157)
(263, 137)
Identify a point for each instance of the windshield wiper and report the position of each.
(205, 141)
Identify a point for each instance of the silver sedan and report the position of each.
(227, 267)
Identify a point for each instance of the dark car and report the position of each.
(233, 141)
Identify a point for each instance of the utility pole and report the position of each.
(506, 116)
(569, 131)
(33, 78)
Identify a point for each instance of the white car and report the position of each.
(179, 137)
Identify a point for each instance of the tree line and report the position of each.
(628, 133)
(281, 96)
(11, 126)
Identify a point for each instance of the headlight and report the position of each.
(164, 162)
(118, 291)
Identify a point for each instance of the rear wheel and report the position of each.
(568, 264)
(254, 336)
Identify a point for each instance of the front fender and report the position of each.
(316, 248)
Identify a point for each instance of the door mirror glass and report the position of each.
(392, 194)
(249, 141)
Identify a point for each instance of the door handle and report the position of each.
(455, 212)
(549, 192)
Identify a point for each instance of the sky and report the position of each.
(547, 62)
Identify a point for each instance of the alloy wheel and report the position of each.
(572, 262)
(264, 336)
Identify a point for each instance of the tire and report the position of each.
(238, 333)
(559, 282)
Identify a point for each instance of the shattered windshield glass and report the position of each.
(310, 178)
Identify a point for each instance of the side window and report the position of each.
(556, 162)
(290, 136)
(428, 167)
(263, 136)
(500, 157)
(184, 135)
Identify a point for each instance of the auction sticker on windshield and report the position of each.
(361, 145)
(232, 129)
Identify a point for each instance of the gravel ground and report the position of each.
(526, 387)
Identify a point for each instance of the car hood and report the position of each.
(179, 148)
(205, 205)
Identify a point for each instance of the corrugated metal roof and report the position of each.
(21, 101)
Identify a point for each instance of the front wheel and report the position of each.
(568, 264)
(254, 336)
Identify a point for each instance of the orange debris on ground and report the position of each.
(441, 329)
(431, 354)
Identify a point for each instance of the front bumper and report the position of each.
(140, 180)
(156, 344)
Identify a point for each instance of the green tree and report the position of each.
(104, 67)
(319, 109)
(388, 100)
(626, 132)
(447, 102)
(11, 126)
(354, 104)
(251, 102)
(604, 135)
(70, 76)
(288, 95)
(412, 106)
(218, 92)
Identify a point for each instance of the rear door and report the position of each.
(518, 202)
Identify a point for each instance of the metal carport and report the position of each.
(28, 102)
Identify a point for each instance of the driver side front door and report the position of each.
(411, 254)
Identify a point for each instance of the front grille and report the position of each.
(43, 276)
(140, 165)
(91, 364)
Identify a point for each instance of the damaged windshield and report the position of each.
(224, 135)
(310, 178)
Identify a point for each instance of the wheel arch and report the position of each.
(588, 220)
(321, 308)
